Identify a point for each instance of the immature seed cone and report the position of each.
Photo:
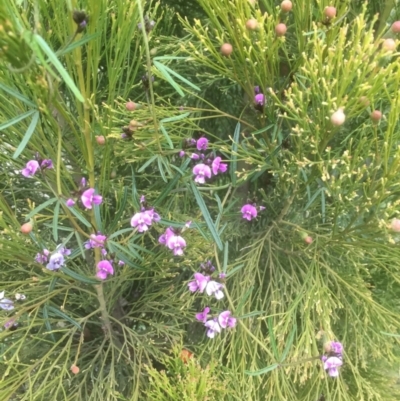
(252, 24)
(100, 140)
(330, 12)
(75, 369)
(226, 49)
(280, 29)
(26, 228)
(338, 117)
(396, 27)
(130, 106)
(395, 225)
(286, 6)
(376, 115)
(308, 240)
(364, 101)
(389, 45)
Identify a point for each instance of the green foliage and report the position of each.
(63, 87)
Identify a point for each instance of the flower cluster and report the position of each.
(96, 241)
(144, 219)
(36, 164)
(87, 196)
(55, 260)
(334, 358)
(204, 283)
(249, 211)
(207, 164)
(172, 240)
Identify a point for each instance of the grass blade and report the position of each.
(235, 144)
(27, 135)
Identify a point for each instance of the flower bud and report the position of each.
(75, 369)
(100, 140)
(396, 27)
(338, 117)
(376, 115)
(226, 49)
(252, 24)
(364, 101)
(328, 347)
(308, 240)
(330, 12)
(395, 226)
(130, 106)
(26, 228)
(389, 45)
(286, 6)
(280, 29)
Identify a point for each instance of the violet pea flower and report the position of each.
(104, 268)
(201, 171)
(331, 364)
(89, 198)
(249, 212)
(225, 319)
(202, 316)
(30, 168)
(213, 328)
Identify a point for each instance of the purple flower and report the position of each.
(194, 156)
(182, 153)
(164, 237)
(46, 163)
(5, 303)
(70, 202)
(64, 251)
(10, 323)
(222, 276)
(103, 252)
(202, 316)
(83, 183)
(202, 143)
(256, 89)
(336, 347)
(249, 212)
(218, 167)
(56, 261)
(200, 283)
(42, 257)
(142, 221)
(121, 263)
(142, 199)
(176, 243)
(225, 319)
(155, 217)
(96, 241)
(201, 171)
(214, 288)
(261, 208)
(331, 364)
(104, 268)
(213, 328)
(259, 99)
(89, 198)
(30, 168)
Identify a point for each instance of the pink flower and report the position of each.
(225, 319)
(249, 212)
(30, 168)
(214, 288)
(104, 268)
(331, 364)
(213, 328)
(218, 167)
(70, 202)
(259, 99)
(202, 143)
(96, 241)
(202, 316)
(164, 237)
(201, 171)
(176, 243)
(200, 283)
(142, 221)
(89, 198)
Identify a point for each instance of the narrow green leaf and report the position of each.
(97, 217)
(62, 315)
(175, 118)
(14, 120)
(80, 243)
(175, 74)
(58, 66)
(289, 343)
(151, 160)
(27, 135)
(160, 168)
(79, 216)
(262, 371)
(55, 221)
(206, 215)
(390, 334)
(168, 77)
(168, 139)
(234, 270)
(121, 210)
(251, 314)
(46, 322)
(309, 203)
(39, 208)
(226, 249)
(119, 232)
(243, 300)
(79, 277)
(17, 95)
(235, 143)
(272, 337)
(85, 39)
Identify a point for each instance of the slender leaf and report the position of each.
(168, 77)
(39, 208)
(175, 118)
(46, 321)
(142, 168)
(79, 216)
(17, 95)
(79, 277)
(27, 135)
(168, 139)
(85, 39)
(55, 221)
(262, 371)
(62, 315)
(272, 338)
(175, 74)
(14, 120)
(288, 344)
(206, 215)
(235, 143)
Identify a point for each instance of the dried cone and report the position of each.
(185, 355)
(130, 106)
(389, 45)
(100, 140)
(252, 24)
(26, 228)
(134, 125)
(226, 49)
(280, 29)
(286, 6)
(338, 118)
(330, 12)
(74, 369)
(376, 115)
(396, 27)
